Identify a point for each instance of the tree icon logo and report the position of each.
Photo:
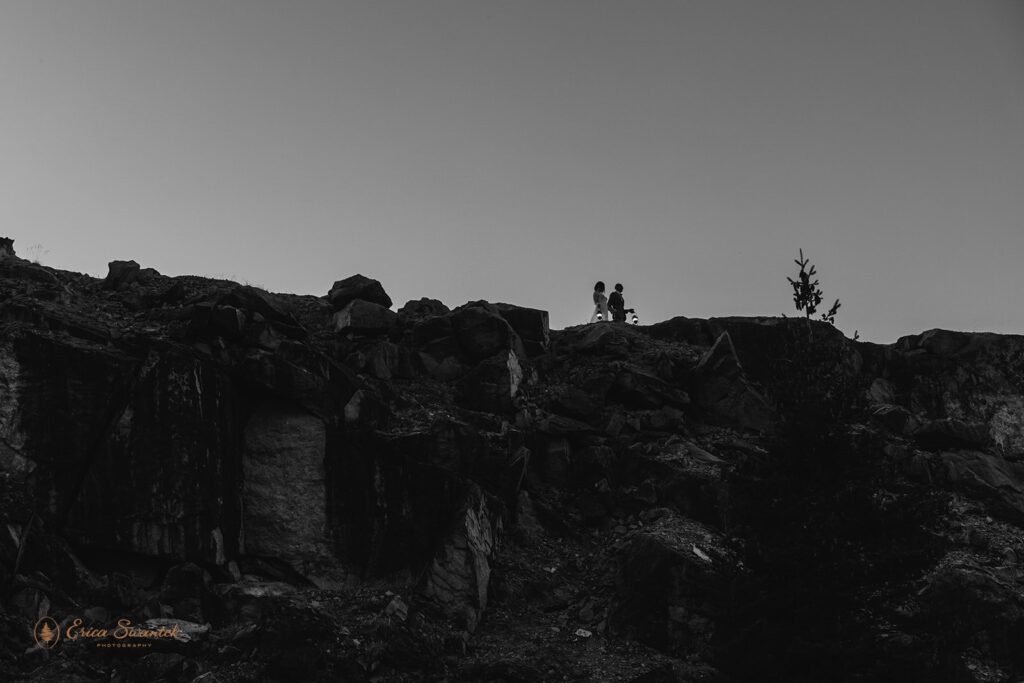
(47, 633)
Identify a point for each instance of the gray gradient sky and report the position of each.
(520, 150)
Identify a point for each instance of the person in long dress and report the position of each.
(600, 304)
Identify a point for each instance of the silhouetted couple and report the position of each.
(614, 303)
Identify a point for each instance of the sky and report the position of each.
(520, 150)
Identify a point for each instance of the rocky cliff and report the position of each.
(307, 488)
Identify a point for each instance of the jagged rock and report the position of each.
(530, 324)
(460, 574)
(120, 274)
(492, 385)
(414, 310)
(357, 287)
(723, 390)
(363, 316)
(6, 247)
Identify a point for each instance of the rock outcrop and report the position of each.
(325, 489)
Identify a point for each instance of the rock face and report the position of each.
(459, 577)
(325, 489)
(284, 506)
(166, 450)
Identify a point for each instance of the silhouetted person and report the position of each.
(617, 305)
(600, 303)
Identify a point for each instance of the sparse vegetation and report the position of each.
(37, 252)
(807, 295)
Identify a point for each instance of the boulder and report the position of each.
(363, 316)
(121, 273)
(357, 287)
(459, 576)
(423, 308)
(6, 247)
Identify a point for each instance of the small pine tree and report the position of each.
(46, 633)
(807, 294)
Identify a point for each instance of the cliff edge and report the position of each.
(304, 488)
